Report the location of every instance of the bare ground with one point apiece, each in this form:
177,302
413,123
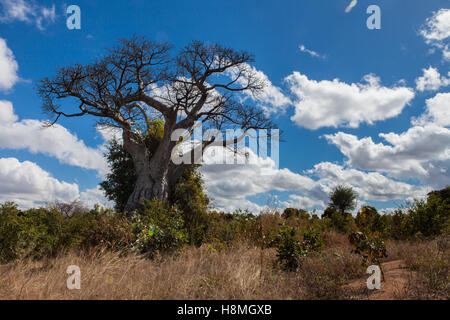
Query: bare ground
397,278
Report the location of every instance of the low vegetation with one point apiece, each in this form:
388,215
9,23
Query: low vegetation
164,251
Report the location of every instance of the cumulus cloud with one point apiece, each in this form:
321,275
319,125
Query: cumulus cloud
437,112
29,185
436,31
55,141
334,103
8,67
230,186
369,185
28,12
422,152
432,80
91,197
271,99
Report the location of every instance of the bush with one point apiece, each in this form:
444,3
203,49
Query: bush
100,227
288,249
426,219
298,213
372,248
335,220
370,221
226,228
193,203
43,232
159,228
312,241
14,236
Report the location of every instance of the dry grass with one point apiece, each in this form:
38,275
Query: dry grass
431,268
239,272
197,273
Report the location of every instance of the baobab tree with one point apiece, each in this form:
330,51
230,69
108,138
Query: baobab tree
138,81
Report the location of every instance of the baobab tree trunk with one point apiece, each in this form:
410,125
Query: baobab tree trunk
152,172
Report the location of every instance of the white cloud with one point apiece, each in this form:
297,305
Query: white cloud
29,185
352,4
310,52
438,111
91,197
419,153
8,67
271,99
369,185
432,80
334,103
231,185
302,202
28,12
55,141
436,31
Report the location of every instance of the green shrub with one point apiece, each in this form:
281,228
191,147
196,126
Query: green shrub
159,228
370,221
33,233
288,249
298,213
100,227
312,241
193,203
43,232
428,218
227,228
371,247
14,236
333,219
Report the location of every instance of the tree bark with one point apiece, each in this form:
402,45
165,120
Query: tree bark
151,172
156,175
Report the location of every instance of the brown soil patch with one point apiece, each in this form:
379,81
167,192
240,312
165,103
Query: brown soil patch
396,280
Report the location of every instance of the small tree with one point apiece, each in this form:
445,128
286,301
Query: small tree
343,198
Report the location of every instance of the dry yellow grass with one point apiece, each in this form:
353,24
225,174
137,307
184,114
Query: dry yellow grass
197,273
239,272
431,266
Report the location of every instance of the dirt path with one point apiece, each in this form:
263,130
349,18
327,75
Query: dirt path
394,285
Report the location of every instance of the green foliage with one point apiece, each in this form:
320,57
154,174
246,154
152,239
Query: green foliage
164,227
100,227
432,217
372,248
225,228
428,218
335,220
290,249
312,241
119,183
370,221
188,193
159,228
343,198
14,234
298,213
190,197
43,232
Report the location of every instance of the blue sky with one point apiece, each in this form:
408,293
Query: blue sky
381,127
